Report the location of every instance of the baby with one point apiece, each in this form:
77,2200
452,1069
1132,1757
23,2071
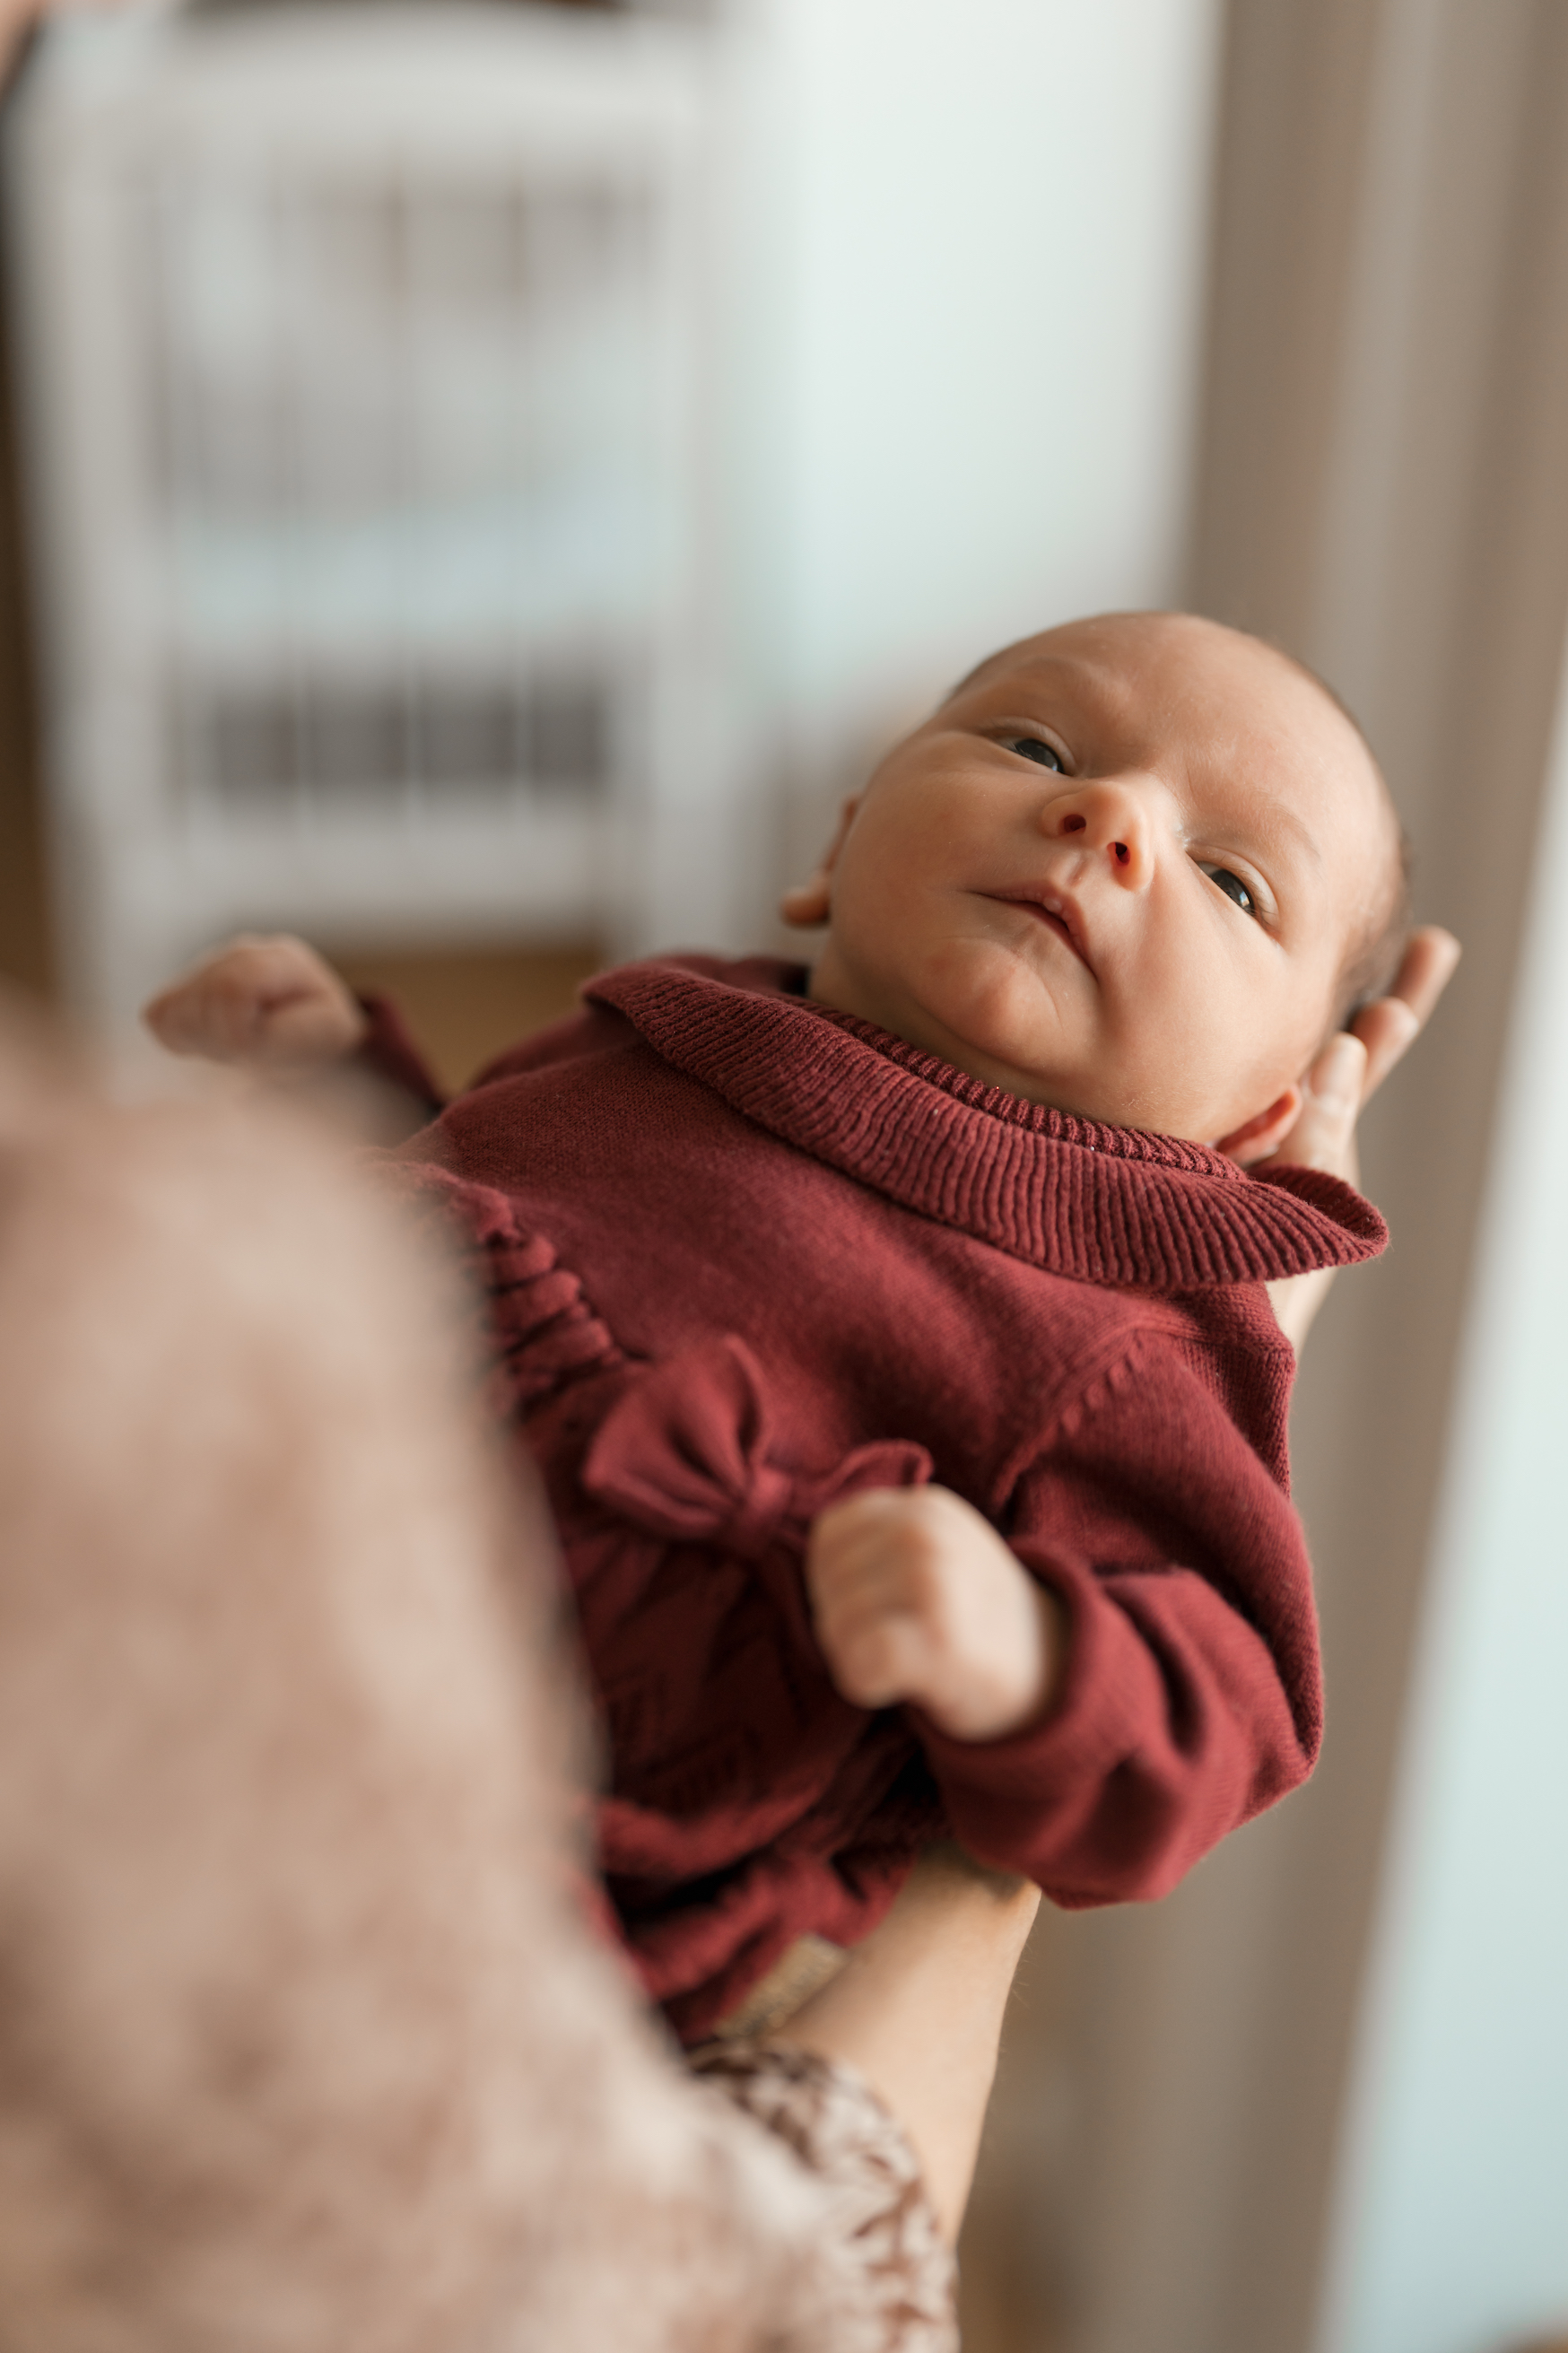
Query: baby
892,1336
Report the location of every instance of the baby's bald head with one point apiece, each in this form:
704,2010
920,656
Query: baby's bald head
1375,946
1135,867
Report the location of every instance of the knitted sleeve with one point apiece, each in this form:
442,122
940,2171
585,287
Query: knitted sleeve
389,1049
392,1052
1190,1697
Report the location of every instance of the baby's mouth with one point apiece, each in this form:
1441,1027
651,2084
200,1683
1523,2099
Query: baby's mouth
1057,914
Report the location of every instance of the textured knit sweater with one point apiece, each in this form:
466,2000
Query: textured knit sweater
746,1256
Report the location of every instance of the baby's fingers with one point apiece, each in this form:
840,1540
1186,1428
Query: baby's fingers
876,1656
205,1014
308,1027
867,1541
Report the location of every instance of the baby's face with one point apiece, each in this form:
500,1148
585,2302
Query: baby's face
1119,872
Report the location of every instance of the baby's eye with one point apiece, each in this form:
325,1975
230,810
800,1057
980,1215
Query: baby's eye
1045,756
1231,885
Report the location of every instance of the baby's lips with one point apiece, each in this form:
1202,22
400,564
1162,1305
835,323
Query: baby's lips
1057,913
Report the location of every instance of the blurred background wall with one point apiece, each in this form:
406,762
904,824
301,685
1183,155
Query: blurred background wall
944,318
993,222
916,321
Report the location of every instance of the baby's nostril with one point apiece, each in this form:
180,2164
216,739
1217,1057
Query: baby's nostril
1072,825
1123,855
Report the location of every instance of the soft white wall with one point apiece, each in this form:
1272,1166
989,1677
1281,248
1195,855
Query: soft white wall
1453,2230
976,338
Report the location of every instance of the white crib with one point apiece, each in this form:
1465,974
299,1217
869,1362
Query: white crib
365,358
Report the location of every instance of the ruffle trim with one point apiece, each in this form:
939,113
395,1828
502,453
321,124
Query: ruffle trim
1103,1204
547,1332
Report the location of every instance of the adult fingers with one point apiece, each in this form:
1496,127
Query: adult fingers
1331,1096
1388,1027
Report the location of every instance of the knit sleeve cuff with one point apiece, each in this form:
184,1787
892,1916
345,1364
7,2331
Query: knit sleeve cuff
388,1049
1157,1743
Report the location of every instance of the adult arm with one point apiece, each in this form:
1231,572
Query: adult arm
918,2010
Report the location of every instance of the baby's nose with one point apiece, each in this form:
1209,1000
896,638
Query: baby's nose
1112,819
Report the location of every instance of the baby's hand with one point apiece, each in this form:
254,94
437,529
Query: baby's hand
274,1001
916,1597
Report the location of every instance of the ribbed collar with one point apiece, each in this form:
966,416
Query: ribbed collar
1107,1204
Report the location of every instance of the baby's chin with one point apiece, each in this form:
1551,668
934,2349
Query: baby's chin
1013,1033
993,1018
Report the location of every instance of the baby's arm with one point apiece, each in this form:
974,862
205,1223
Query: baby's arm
916,1597
274,1006
272,1001
1175,1695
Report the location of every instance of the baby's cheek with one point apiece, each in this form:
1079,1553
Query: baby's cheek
1007,1010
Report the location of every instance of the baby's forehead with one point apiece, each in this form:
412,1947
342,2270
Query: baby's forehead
1224,704
1172,669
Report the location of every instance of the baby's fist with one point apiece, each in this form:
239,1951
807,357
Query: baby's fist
915,1597
259,1000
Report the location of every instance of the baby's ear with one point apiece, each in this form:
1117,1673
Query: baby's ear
1265,1133
807,904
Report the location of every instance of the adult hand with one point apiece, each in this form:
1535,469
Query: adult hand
1343,1081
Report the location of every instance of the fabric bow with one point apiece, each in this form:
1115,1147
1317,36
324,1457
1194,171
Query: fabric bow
686,1452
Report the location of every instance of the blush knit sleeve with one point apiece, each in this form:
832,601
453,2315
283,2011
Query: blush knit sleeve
1189,1697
